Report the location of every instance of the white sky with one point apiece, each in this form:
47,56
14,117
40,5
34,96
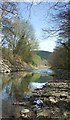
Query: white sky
47,45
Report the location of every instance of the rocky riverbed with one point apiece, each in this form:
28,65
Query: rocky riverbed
56,98
51,102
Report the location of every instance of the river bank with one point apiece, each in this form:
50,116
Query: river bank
56,103
7,67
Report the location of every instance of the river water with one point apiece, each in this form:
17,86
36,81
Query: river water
18,86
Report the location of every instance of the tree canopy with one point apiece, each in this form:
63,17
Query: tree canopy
60,59
17,35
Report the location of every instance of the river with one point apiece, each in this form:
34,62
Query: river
18,86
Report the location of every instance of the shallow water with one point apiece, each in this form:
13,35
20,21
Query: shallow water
17,86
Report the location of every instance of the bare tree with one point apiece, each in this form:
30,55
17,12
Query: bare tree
60,25
8,14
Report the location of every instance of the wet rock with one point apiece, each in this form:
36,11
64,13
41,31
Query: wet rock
63,96
24,111
52,100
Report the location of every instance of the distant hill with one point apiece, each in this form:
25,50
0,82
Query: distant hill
40,58
43,54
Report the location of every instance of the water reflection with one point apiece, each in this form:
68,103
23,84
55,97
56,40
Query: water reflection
35,85
44,70
15,87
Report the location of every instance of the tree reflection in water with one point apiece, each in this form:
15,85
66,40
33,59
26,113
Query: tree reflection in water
15,88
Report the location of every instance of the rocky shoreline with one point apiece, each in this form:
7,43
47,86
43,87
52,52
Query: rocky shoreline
56,100
55,97
7,67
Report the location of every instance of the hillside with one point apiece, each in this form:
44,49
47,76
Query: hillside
39,60
43,54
